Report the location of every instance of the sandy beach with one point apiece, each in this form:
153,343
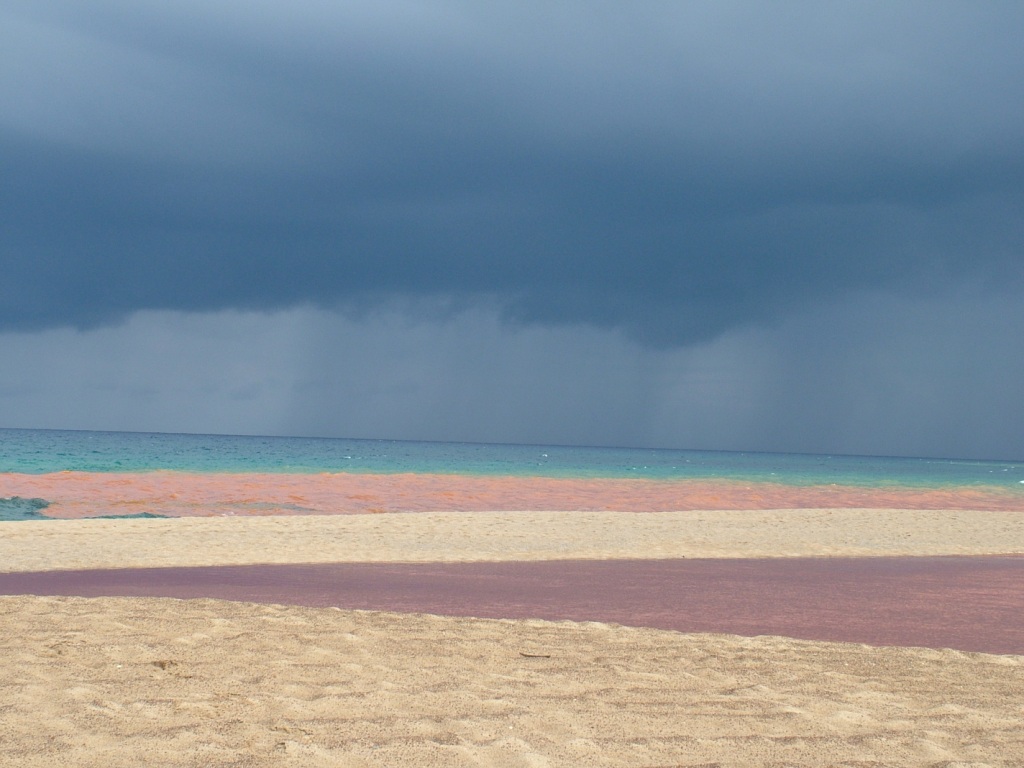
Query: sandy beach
157,680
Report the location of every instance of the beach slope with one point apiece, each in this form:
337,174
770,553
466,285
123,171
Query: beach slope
126,682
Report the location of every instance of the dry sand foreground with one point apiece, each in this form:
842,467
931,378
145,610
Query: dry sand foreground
129,682
117,682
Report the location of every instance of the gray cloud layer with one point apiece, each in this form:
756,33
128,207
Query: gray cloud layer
673,170
872,375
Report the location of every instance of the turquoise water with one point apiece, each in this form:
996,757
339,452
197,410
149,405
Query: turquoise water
17,508
37,451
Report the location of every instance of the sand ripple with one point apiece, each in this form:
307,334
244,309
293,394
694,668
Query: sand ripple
115,682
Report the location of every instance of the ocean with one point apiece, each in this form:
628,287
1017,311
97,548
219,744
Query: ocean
40,456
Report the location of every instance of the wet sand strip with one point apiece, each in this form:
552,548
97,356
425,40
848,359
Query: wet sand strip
964,603
88,494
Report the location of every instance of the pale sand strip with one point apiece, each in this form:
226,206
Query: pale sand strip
113,682
504,536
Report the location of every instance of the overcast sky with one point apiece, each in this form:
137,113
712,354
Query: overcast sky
771,226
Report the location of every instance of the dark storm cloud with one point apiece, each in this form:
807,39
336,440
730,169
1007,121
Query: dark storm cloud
671,169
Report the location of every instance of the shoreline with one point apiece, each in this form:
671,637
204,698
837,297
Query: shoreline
186,494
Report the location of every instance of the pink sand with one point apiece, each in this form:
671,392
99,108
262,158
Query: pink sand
178,494
967,603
